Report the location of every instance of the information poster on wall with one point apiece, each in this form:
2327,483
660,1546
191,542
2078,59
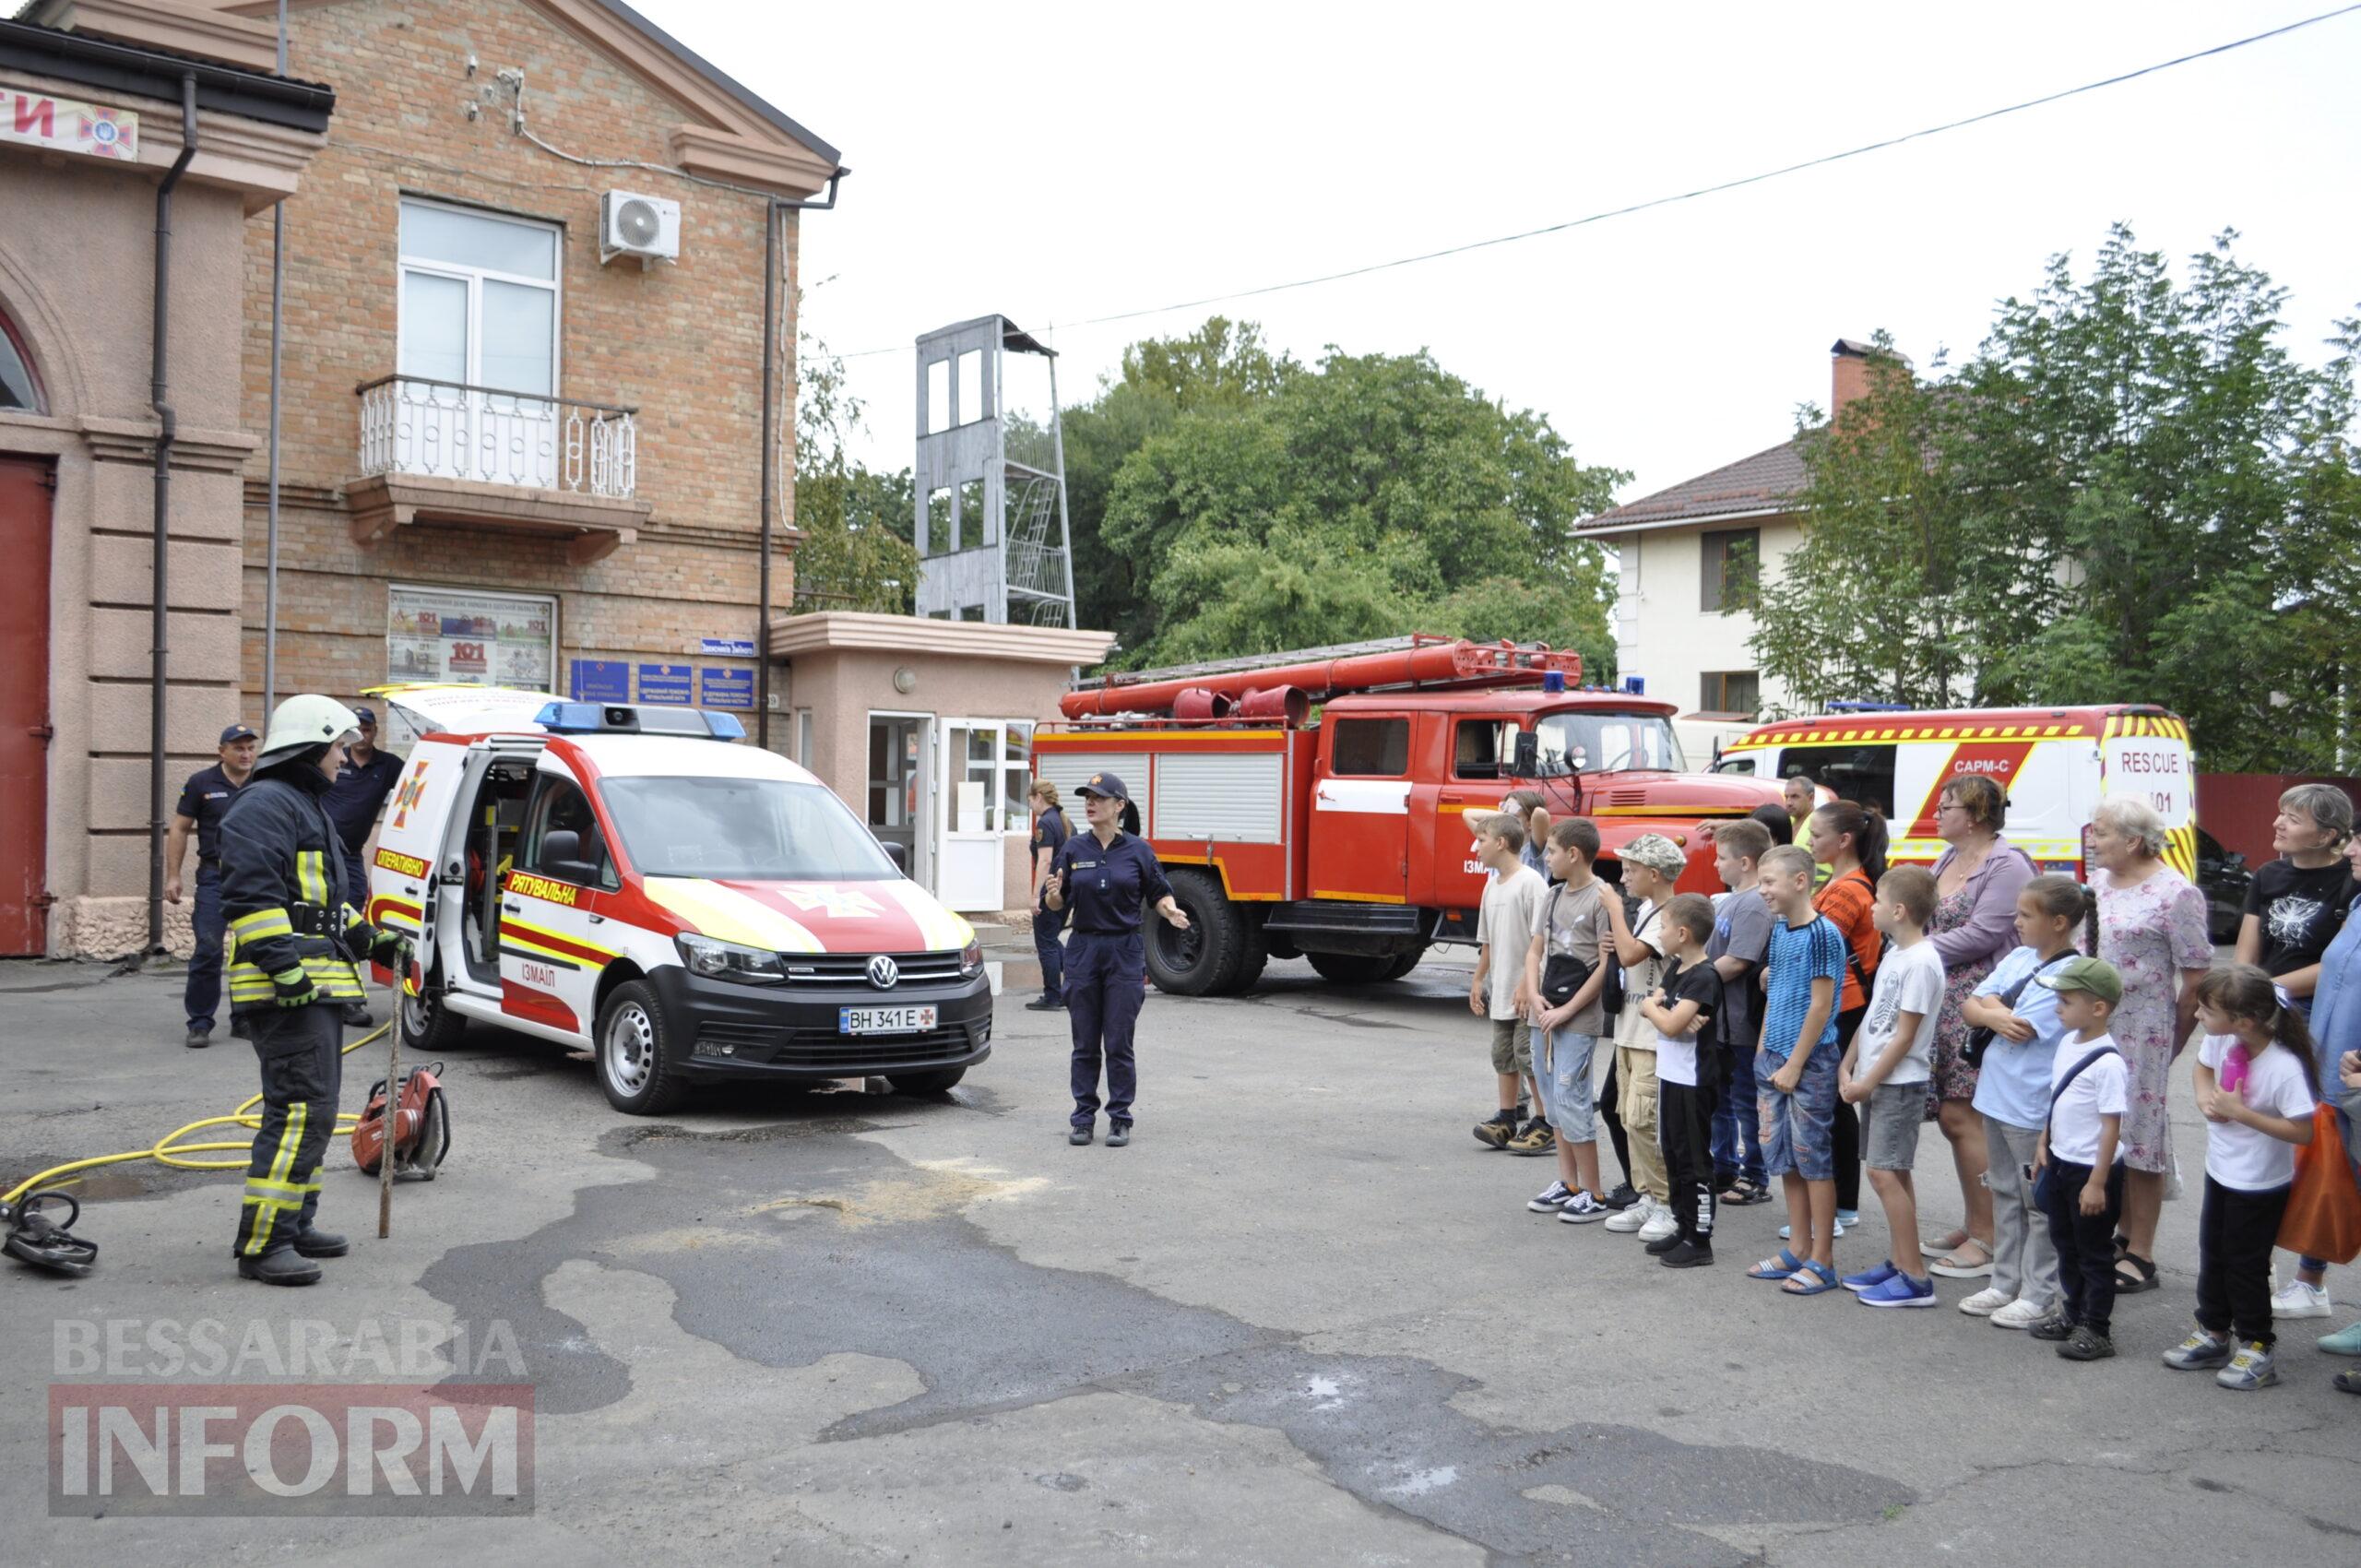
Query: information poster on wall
724,688
666,683
471,638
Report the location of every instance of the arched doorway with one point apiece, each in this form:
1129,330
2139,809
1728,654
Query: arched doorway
25,486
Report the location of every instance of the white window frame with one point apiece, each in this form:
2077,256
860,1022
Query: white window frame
475,278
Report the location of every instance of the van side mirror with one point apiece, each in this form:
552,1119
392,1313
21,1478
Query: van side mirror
561,858
899,854
1526,754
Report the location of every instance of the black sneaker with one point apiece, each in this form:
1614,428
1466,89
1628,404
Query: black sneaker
1664,1244
2056,1328
1622,1197
2084,1344
1688,1255
1044,1004
198,1039
1496,1131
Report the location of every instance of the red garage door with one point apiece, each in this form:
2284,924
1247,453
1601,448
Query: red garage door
24,705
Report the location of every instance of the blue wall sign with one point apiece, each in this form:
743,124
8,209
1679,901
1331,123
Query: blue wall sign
664,683
599,680
728,648
724,688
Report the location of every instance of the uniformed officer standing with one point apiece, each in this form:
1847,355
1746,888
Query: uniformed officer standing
1050,836
295,940
203,799
1107,876
353,801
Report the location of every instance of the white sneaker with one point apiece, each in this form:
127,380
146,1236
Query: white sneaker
1840,1229
2297,1299
1582,1209
1550,1199
1986,1302
1624,1221
2018,1313
1660,1223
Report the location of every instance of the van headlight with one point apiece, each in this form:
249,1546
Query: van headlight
728,960
971,958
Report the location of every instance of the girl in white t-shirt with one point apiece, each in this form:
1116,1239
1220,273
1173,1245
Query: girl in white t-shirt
2257,1086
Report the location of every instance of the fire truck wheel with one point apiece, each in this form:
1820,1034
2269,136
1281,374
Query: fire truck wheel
1205,958
1357,968
1254,956
1403,965
639,1064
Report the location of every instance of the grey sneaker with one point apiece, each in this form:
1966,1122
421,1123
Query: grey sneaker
1550,1199
2197,1352
2250,1369
1583,1208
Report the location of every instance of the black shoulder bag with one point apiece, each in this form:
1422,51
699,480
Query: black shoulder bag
1563,974
1979,1039
1610,990
2041,1190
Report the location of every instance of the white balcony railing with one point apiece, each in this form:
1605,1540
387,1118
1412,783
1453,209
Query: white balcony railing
448,430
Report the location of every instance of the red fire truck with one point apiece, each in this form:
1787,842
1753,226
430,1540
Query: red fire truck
1315,802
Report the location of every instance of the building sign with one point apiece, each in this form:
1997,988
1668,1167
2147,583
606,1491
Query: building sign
664,683
470,638
724,688
728,648
599,680
60,124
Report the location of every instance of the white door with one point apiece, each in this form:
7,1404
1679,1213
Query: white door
970,857
477,349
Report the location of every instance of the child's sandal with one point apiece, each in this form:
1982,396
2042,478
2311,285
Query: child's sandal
1781,1267
1813,1280
2142,1277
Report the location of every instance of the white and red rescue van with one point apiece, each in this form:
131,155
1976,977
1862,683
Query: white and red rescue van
623,879
2053,763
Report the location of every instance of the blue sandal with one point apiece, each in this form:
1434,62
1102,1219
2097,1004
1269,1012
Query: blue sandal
1784,1266
1812,1280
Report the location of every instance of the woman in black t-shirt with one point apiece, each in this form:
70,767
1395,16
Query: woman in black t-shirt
2295,903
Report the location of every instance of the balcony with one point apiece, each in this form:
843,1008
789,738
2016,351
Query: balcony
445,452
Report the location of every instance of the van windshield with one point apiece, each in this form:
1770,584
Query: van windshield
747,829
1607,743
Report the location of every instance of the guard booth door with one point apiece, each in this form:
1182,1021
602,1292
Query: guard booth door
900,797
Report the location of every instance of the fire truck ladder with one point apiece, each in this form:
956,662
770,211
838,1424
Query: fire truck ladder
1418,661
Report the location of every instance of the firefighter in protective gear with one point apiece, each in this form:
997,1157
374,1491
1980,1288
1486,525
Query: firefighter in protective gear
294,937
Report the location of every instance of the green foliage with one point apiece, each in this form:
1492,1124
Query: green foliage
2131,493
856,551
1269,506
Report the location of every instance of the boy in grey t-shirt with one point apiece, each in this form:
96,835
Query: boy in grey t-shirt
1571,921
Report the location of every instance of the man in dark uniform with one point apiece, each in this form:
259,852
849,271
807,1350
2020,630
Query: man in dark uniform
295,940
1050,836
353,801
203,799
1107,877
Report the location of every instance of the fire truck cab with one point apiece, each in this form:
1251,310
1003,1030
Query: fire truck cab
1318,802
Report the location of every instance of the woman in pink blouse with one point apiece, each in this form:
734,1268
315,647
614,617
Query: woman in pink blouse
2151,928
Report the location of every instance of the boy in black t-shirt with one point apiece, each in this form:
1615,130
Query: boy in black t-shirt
1682,1012
2295,903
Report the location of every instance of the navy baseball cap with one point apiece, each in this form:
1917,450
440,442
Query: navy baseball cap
368,716
237,732
1105,784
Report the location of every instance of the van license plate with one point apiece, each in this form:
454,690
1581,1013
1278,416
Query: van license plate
884,1020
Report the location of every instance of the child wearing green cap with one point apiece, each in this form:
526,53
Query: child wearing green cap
2078,1175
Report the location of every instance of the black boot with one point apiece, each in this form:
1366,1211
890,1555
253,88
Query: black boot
312,1242
279,1266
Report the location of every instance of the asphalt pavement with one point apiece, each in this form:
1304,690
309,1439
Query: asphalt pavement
1305,1318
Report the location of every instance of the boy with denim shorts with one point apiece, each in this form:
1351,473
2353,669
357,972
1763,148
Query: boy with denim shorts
1569,922
1796,1070
1741,942
1885,1072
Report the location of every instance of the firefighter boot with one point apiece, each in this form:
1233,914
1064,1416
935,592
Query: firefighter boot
280,1265
312,1242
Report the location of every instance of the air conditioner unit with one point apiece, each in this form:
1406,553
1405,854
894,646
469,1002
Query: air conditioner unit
645,226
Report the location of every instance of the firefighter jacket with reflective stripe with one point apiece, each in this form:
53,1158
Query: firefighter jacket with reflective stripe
282,895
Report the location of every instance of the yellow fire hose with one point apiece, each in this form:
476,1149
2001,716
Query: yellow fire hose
169,1150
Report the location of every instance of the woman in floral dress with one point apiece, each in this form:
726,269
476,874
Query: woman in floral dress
2151,928
1976,883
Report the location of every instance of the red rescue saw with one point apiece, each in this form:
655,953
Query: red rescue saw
422,1125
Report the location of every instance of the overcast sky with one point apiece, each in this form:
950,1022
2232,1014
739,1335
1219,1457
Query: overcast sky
1060,162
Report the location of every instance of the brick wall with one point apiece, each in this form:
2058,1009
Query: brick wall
682,343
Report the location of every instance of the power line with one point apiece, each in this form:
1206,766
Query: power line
1740,183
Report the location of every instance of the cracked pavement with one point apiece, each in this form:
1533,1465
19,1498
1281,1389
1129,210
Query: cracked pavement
1303,1319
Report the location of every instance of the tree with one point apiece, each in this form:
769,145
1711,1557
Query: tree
856,551
2131,493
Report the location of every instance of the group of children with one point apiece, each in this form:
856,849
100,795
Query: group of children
1809,994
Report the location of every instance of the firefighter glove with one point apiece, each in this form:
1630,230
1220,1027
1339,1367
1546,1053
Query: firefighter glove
390,948
294,988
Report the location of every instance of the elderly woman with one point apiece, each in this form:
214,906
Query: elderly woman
2151,928
2336,1031
1978,879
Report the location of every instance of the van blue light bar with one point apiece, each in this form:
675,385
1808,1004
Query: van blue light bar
631,718
1854,706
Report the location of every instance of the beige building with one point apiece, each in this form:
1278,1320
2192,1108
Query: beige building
1686,560
92,122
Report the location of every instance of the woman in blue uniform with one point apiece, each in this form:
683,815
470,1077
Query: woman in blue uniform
1107,877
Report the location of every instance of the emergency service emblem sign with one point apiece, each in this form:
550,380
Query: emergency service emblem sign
836,903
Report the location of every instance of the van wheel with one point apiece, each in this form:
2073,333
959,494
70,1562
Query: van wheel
428,1029
1359,969
918,1084
639,1064
1201,959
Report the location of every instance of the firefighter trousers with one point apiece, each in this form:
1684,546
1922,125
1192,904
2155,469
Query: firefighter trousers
1105,981
302,1071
